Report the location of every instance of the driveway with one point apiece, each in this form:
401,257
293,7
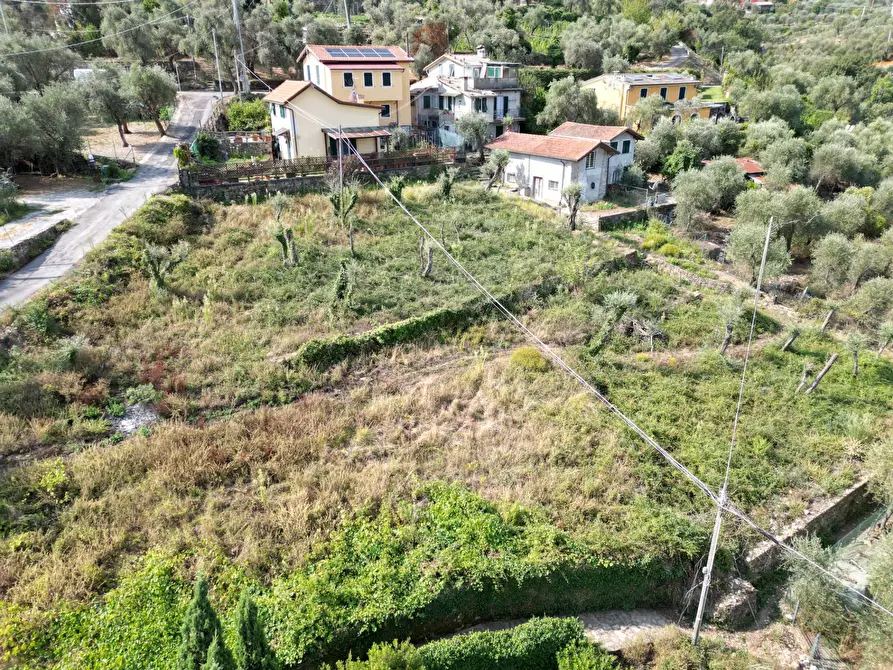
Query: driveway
157,172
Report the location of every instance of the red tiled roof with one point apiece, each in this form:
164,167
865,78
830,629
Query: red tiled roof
366,66
589,132
322,54
291,89
749,165
548,146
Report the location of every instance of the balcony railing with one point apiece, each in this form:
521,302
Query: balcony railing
495,84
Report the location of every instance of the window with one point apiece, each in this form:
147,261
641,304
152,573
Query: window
449,102
663,92
367,79
590,160
483,104
426,102
626,146
385,111
385,78
452,72
317,75
643,93
476,73
505,105
682,92
510,176
282,111
348,80
493,71
614,146
439,102
553,185
308,73
273,110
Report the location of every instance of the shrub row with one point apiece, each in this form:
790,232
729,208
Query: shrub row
531,646
326,352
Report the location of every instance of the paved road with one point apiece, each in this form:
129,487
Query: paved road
157,172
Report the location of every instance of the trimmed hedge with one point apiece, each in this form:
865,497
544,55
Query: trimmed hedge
531,646
326,352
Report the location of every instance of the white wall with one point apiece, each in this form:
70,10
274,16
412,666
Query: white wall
622,160
549,169
593,179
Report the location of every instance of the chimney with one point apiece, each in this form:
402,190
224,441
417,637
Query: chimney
481,51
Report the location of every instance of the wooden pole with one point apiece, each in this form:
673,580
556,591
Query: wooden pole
791,339
827,319
815,383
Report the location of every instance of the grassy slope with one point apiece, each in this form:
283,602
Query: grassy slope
252,496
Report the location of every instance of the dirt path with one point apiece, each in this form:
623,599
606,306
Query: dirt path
109,209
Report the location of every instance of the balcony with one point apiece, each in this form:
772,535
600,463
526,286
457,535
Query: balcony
495,83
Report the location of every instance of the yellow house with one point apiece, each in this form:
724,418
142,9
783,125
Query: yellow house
620,91
377,75
306,120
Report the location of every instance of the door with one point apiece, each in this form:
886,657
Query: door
537,187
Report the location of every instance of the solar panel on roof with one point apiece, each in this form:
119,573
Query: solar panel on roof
360,52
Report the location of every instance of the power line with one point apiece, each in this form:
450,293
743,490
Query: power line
73,4
724,505
99,39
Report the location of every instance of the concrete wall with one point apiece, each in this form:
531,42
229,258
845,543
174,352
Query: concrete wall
549,170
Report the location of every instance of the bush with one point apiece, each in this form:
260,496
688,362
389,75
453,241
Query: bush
247,115
533,645
207,147
670,250
529,359
384,656
582,655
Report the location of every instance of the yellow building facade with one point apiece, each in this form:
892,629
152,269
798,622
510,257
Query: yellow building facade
621,91
375,75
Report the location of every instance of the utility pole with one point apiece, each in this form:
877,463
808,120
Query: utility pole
240,74
346,14
217,61
238,90
177,72
340,166
724,491
3,14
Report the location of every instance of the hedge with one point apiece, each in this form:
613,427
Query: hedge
326,352
531,646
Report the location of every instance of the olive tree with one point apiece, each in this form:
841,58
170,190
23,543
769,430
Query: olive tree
567,101
108,100
473,127
152,88
580,43
746,251
831,259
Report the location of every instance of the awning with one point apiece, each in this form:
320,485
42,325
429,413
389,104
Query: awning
357,133
281,131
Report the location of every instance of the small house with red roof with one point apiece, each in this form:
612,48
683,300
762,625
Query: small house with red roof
542,166
753,171
620,138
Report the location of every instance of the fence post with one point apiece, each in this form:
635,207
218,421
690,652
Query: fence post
814,649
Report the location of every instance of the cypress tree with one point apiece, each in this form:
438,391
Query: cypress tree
252,651
200,627
219,657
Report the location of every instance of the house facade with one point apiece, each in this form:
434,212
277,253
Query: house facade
459,84
375,75
306,120
620,138
542,166
621,91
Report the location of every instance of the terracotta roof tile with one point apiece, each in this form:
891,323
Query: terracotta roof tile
590,132
566,148
286,91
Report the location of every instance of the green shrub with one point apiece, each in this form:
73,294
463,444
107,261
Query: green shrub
529,359
386,656
581,655
7,261
531,646
247,115
207,147
671,250
144,393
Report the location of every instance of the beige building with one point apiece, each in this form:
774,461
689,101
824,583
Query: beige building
377,75
305,122
620,91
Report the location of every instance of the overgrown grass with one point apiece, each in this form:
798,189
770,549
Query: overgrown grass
326,505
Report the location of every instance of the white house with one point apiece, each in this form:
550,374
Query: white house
620,138
544,165
459,84
306,121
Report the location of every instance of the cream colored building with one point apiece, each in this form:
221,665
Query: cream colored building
377,75
305,122
620,91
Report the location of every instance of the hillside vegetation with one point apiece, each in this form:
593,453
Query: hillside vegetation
454,474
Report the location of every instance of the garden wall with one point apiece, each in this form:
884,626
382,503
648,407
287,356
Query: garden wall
237,192
826,518
630,217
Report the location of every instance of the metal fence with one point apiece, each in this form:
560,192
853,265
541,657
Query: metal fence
201,175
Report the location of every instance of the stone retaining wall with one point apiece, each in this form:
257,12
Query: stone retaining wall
237,192
824,518
22,252
619,220
668,268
